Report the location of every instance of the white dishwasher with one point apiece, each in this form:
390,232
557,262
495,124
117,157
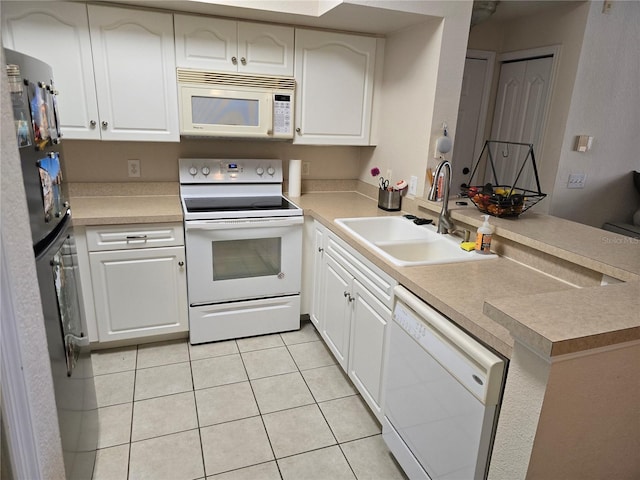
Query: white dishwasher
441,394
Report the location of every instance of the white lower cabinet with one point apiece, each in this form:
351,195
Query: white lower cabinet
336,309
368,345
137,285
352,308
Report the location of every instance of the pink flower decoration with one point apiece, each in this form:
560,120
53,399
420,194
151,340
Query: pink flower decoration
375,171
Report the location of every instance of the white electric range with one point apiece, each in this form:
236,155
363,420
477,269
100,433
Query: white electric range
244,248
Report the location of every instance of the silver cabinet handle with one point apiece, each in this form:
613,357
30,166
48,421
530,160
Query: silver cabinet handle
181,264
243,60
105,124
93,124
234,60
320,249
298,130
139,238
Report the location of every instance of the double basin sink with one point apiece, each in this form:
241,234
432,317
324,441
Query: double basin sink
405,243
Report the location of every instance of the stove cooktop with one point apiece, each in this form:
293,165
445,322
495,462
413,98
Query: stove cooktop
232,189
237,204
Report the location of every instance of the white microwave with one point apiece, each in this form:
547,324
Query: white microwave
217,104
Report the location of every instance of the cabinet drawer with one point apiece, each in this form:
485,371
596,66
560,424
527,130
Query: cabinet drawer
125,237
374,279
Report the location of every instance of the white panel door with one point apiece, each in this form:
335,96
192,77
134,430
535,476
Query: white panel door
265,49
138,293
134,63
522,99
206,43
336,309
335,78
367,346
469,140
58,34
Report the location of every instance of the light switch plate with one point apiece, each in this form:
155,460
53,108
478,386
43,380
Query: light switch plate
583,143
577,180
413,185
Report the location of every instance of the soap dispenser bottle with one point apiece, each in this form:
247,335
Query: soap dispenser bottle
483,236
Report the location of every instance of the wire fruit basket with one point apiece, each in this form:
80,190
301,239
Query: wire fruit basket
506,160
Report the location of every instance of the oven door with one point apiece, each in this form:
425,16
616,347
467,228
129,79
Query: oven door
242,259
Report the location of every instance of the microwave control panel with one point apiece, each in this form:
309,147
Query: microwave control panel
282,115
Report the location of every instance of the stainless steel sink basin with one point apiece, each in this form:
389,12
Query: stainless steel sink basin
404,243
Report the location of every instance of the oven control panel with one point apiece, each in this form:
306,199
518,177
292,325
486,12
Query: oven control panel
216,170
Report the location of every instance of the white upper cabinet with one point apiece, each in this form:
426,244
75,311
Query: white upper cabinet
58,34
135,71
335,79
114,68
230,46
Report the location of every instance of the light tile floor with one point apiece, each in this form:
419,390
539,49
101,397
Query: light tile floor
269,407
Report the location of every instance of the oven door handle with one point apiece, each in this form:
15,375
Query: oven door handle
243,223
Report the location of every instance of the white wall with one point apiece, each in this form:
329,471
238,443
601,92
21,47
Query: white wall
606,104
96,161
422,79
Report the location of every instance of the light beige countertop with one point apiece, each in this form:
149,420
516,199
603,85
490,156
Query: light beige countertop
499,298
124,203
495,300
606,252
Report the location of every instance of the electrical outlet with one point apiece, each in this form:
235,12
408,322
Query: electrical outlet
413,185
133,167
388,176
577,180
306,166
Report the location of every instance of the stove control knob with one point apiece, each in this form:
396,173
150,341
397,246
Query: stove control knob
205,171
260,171
271,171
193,171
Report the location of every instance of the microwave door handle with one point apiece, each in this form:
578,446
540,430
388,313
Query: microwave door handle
270,107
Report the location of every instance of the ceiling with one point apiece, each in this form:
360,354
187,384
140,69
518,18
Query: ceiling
337,15
512,9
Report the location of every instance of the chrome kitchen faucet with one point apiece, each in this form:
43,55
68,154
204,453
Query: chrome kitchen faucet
445,224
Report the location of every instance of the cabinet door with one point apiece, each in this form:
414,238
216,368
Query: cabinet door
336,309
265,49
367,346
318,277
135,70
138,293
335,77
206,43
58,34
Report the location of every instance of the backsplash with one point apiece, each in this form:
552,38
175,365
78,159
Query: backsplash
98,161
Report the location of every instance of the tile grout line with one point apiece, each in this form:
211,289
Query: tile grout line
195,405
255,399
133,396
325,418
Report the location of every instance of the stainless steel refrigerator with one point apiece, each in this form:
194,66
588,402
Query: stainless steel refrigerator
33,98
